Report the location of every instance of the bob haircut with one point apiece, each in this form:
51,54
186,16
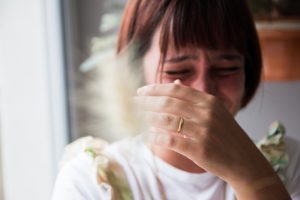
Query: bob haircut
210,24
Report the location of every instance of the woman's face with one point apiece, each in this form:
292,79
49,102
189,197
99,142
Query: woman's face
219,73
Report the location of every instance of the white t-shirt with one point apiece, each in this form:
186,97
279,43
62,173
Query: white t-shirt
151,178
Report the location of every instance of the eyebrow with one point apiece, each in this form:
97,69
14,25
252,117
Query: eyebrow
181,58
230,57
227,56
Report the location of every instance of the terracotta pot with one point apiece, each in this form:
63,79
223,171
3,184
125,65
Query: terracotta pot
280,43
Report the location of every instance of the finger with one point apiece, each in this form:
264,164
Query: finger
161,104
179,91
172,123
165,139
165,104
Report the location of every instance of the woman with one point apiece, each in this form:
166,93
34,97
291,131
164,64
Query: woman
202,64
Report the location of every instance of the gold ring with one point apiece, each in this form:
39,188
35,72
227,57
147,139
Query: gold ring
181,122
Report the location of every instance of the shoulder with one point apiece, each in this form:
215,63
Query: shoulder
77,180
293,168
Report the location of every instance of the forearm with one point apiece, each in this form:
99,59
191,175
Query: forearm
266,188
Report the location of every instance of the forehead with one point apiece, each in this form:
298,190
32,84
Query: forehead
191,49
200,50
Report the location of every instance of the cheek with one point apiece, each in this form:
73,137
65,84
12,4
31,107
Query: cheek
231,92
150,64
149,74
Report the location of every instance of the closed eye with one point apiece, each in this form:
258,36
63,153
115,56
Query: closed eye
226,71
178,72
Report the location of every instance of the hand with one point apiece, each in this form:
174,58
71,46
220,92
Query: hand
210,136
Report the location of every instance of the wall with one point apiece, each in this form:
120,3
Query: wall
274,101
1,177
82,21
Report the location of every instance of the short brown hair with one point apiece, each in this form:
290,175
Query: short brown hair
211,24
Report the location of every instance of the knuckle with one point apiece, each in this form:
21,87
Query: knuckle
171,142
167,120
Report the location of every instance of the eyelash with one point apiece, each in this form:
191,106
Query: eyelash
226,71
221,72
177,72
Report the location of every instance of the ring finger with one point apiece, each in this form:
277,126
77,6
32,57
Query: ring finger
172,123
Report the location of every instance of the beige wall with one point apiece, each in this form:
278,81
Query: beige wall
1,179
274,101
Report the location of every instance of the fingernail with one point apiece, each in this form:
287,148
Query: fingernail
177,81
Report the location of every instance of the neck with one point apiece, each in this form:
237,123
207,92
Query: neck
177,160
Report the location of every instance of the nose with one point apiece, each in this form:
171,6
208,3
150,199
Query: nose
204,82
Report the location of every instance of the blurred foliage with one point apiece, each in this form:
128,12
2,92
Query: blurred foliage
260,7
287,7
275,8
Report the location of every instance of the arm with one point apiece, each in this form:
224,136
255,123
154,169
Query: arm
210,137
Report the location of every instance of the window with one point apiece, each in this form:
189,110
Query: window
32,100
90,26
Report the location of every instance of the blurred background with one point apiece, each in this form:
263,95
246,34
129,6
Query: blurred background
48,98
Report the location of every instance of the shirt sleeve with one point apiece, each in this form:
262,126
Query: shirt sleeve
293,169
77,181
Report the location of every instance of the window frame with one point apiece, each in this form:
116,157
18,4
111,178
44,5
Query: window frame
33,108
